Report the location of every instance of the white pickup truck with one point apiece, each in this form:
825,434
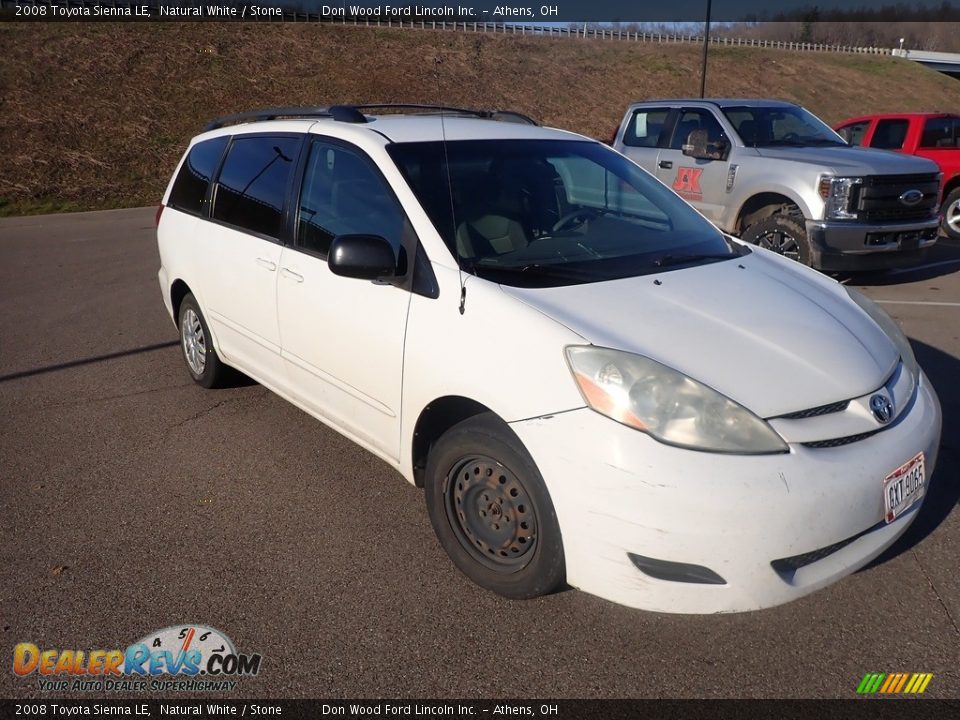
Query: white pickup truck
775,175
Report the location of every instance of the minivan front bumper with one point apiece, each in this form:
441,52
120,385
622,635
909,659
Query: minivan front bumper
773,527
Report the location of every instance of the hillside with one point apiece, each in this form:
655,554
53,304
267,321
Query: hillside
96,115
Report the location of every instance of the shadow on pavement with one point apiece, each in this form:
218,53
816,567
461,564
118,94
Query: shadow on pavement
943,491
87,361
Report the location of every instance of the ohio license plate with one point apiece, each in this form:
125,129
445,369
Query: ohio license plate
903,487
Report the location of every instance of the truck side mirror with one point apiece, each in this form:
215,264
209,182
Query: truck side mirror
367,257
697,146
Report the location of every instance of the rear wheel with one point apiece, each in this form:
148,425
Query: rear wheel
203,363
781,233
951,214
491,510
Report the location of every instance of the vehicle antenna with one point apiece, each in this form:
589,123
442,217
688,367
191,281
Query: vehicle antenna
453,215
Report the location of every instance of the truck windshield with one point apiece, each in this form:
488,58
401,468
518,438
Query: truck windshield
772,126
543,213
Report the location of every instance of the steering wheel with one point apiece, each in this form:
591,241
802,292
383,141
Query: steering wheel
581,215
791,137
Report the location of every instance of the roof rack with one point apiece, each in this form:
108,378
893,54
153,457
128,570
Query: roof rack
353,114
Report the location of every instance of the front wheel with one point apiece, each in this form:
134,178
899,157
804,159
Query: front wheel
951,214
491,510
782,234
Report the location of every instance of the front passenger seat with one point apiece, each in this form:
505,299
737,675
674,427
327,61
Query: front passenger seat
488,235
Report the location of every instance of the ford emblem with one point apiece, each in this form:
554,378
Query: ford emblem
882,408
911,197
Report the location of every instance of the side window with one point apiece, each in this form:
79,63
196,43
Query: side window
253,183
645,127
941,133
342,194
691,120
854,132
189,192
889,134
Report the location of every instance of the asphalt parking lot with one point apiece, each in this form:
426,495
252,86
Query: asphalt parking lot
133,500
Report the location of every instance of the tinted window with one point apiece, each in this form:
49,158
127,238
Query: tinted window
691,120
940,133
189,191
253,183
771,125
889,134
342,194
854,132
645,127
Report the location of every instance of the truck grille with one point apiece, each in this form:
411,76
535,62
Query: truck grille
878,198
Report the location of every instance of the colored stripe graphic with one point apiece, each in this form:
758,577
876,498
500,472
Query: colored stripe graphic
894,683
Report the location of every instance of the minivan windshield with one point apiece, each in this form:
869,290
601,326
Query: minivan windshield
788,125
542,213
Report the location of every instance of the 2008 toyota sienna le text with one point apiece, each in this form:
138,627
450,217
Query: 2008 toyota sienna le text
592,383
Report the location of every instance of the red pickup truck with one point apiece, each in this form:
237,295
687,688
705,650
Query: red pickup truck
935,136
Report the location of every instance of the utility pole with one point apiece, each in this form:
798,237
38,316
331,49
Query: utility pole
706,45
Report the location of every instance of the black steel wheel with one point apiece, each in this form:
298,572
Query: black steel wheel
491,510
782,234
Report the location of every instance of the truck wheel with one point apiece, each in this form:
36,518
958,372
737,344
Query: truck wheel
202,360
491,510
782,234
951,214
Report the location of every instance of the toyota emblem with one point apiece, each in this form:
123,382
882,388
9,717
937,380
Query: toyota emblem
882,408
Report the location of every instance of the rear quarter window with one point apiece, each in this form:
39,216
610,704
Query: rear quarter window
189,192
252,185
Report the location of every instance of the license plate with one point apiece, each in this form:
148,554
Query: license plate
903,487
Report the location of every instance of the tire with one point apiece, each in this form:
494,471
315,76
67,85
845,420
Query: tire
951,214
491,510
782,234
203,363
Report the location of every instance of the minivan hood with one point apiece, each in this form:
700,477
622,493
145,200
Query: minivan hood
767,334
852,161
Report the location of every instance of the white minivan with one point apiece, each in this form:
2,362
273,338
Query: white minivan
593,385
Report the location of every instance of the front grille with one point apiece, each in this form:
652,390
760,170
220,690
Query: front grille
878,198
817,411
788,566
837,442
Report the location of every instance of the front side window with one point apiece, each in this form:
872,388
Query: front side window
253,183
941,133
189,192
691,120
772,126
342,194
545,213
854,133
889,134
645,127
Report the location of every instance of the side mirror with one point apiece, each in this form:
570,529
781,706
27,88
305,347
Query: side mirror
366,257
698,147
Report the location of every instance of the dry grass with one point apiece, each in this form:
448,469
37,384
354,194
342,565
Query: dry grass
96,115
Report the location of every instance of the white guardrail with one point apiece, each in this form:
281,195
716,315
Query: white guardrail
575,32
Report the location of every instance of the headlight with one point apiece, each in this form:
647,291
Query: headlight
889,327
837,193
666,404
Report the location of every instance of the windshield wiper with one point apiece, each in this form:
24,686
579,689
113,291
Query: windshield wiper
668,260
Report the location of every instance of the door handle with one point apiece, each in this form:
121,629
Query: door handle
268,264
291,275
666,164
